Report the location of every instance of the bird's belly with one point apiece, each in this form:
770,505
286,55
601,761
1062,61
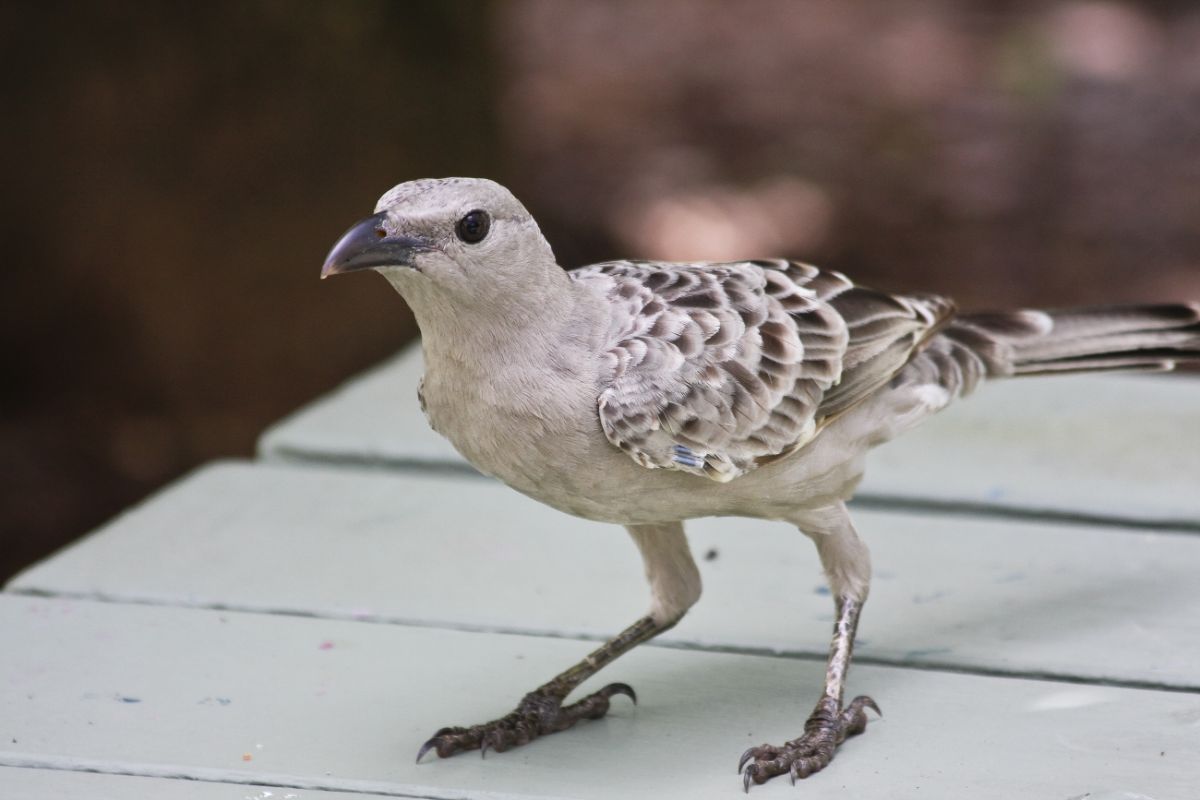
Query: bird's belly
604,484
576,470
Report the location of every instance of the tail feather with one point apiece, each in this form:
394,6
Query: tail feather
1090,339
1081,322
1133,338
1059,347
1132,363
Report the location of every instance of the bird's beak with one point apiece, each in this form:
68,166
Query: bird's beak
368,245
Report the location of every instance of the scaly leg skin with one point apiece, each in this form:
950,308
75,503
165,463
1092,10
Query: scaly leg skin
542,711
675,586
847,565
827,726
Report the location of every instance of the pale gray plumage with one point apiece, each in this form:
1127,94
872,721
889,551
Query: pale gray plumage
647,393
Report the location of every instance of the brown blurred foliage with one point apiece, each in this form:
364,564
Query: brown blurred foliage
1003,152
177,172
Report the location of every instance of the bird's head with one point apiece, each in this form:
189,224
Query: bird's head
464,239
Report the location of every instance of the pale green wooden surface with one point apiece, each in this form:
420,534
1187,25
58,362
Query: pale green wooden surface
342,706
969,593
19,783
317,617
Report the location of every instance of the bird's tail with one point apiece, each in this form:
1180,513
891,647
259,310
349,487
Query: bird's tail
971,347
1152,338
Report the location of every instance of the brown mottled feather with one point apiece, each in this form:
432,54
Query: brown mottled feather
717,368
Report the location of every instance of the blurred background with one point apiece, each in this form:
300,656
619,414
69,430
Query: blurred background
177,172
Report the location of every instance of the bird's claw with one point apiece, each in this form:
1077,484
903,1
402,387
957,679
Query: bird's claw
438,740
539,713
619,688
425,748
827,728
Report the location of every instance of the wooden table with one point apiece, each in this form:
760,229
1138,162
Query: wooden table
296,626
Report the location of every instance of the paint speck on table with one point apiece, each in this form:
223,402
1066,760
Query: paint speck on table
325,645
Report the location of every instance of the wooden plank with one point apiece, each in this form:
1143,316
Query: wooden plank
68,784
373,419
342,706
976,594
1119,446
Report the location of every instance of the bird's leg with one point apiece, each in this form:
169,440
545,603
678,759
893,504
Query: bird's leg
675,586
847,565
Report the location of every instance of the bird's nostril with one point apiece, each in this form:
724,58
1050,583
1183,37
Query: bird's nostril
380,232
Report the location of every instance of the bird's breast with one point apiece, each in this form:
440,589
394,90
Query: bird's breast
513,429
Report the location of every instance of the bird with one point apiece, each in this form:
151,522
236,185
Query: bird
648,393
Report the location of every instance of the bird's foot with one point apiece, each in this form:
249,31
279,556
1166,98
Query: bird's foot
827,728
540,712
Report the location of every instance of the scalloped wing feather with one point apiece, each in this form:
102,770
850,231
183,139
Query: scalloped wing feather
714,369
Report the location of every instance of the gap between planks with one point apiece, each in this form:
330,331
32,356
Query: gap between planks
503,630
266,780
283,455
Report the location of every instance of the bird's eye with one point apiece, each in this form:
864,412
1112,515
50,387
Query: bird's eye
473,226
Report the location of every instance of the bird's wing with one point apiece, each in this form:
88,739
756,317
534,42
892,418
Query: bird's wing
715,369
